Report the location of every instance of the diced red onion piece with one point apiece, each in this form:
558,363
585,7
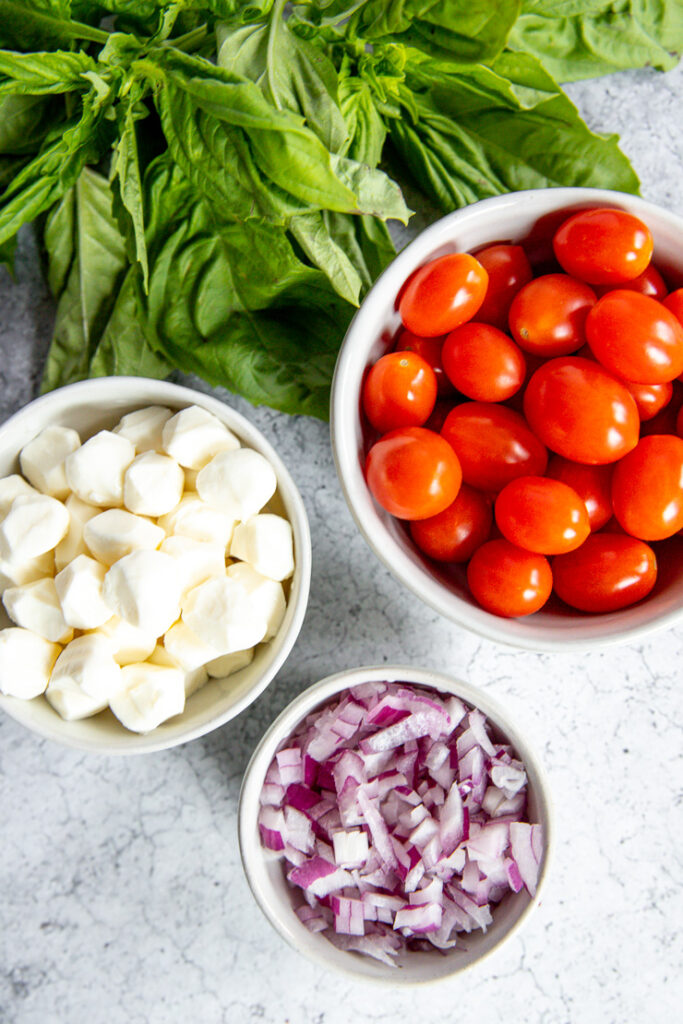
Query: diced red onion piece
419,919
350,848
523,853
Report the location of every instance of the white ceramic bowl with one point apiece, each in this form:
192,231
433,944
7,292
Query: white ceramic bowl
95,405
508,218
266,876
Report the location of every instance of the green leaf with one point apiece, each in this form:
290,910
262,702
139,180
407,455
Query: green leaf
312,232
291,72
55,169
233,302
38,74
483,131
126,179
7,250
123,349
366,129
458,30
585,39
38,24
88,261
25,121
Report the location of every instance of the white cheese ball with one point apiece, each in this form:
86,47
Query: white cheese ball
144,588
143,428
193,436
14,574
113,534
36,606
85,678
34,524
150,694
227,664
265,542
127,643
95,471
186,648
10,488
153,484
239,482
220,613
42,460
194,679
26,661
72,543
192,517
79,588
196,560
266,596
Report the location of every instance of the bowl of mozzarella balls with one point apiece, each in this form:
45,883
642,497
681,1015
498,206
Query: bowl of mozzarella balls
154,564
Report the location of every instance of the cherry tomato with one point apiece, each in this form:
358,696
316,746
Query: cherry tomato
413,473
609,571
508,269
508,581
494,445
636,337
543,515
650,398
548,315
483,363
647,488
592,483
443,294
650,282
399,391
603,246
430,350
581,411
454,534
674,303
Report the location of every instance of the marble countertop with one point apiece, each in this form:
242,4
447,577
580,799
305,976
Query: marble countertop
123,899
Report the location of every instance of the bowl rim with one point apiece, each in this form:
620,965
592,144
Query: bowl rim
251,851
343,420
156,392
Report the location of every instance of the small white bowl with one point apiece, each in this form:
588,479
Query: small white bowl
508,218
274,895
93,405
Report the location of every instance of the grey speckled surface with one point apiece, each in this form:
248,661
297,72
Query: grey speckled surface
123,901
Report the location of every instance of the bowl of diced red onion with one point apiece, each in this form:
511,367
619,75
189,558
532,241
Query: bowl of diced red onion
394,825
617,581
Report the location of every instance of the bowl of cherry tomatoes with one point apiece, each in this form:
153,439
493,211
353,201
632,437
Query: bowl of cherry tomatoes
507,418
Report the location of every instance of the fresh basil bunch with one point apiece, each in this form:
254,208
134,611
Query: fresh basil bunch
206,173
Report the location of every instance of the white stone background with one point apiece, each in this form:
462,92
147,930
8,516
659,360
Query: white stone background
122,899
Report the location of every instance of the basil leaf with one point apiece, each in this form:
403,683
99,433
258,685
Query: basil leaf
123,348
233,302
126,179
47,177
582,39
37,24
458,30
7,250
292,73
25,121
311,231
42,73
483,131
366,129
82,235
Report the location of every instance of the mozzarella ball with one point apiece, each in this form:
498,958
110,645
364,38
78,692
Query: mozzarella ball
144,589
10,488
36,606
196,560
79,588
193,679
266,596
186,648
72,543
153,484
192,517
220,613
227,664
113,534
42,460
238,483
95,471
150,694
193,436
265,542
127,643
14,574
26,661
34,524
143,428
84,679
